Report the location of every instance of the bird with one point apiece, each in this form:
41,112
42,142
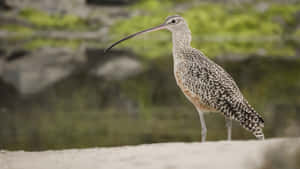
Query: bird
204,83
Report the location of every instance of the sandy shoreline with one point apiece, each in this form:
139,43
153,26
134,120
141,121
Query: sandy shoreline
209,155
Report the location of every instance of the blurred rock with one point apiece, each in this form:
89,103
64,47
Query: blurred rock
4,6
110,2
262,7
32,72
2,53
298,18
40,69
17,54
1,66
118,68
53,6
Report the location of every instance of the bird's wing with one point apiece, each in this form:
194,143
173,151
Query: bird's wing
209,82
217,89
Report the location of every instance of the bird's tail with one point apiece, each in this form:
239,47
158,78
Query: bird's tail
249,119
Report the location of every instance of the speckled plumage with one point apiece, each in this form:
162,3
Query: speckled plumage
207,85
211,88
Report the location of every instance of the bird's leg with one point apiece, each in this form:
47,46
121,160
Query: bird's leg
203,125
229,127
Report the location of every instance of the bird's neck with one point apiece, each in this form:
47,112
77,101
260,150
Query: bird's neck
181,41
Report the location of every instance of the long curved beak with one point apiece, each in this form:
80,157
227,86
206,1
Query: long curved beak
156,28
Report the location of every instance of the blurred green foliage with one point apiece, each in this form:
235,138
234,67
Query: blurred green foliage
42,21
297,33
217,29
53,21
20,31
42,42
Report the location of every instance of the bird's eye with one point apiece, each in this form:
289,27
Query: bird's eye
173,21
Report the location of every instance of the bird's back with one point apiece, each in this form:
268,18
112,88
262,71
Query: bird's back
210,88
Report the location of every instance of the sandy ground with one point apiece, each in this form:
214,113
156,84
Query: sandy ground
209,155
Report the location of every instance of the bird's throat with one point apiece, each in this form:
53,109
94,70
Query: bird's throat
181,41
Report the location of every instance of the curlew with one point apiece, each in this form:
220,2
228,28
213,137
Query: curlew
206,84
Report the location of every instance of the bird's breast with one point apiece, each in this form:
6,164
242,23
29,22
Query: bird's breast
191,96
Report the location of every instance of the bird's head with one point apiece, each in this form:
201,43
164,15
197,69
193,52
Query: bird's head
173,23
